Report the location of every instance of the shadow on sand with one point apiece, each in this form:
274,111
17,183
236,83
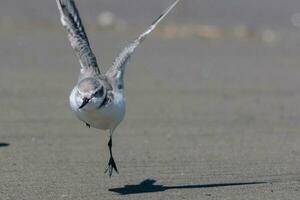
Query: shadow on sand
147,186
3,145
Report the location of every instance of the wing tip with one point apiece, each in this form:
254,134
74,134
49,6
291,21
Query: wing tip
172,6
165,13
61,6
176,2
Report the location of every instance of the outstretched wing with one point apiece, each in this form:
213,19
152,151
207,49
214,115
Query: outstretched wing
116,72
71,21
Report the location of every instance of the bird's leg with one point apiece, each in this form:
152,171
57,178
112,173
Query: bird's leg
111,163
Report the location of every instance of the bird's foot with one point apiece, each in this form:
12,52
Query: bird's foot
111,166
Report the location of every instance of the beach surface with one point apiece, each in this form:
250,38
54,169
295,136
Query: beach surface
206,118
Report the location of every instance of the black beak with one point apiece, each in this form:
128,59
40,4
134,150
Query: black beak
84,102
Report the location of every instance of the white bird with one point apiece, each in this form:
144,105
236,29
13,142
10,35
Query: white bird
98,99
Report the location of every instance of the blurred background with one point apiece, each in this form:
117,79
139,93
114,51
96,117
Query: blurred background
212,95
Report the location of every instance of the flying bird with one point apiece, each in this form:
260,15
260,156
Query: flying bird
98,97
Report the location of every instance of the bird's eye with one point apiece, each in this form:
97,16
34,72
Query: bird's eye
100,92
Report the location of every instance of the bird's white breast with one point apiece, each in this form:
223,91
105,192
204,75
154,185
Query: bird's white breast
107,117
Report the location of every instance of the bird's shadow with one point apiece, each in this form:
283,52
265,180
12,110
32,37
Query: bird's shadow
4,144
148,186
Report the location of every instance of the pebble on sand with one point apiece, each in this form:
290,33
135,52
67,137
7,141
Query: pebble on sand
108,20
243,32
209,31
269,36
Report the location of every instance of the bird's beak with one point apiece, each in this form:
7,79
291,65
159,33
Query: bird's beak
84,102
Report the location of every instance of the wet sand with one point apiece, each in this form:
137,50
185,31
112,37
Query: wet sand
206,119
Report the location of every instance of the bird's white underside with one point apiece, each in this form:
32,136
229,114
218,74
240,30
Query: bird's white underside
108,117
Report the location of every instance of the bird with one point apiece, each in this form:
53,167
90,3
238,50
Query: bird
98,97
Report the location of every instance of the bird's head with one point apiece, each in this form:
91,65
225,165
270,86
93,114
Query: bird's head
91,92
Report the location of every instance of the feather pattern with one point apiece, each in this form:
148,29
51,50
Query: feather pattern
116,71
71,21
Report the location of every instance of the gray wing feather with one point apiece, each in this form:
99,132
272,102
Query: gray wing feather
118,67
71,21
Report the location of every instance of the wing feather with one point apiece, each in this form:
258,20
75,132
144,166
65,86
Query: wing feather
71,21
116,71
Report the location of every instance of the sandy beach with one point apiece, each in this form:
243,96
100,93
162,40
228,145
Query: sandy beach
205,119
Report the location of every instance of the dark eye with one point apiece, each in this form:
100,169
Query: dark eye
100,92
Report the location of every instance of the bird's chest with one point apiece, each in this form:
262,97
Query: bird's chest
112,114
106,117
